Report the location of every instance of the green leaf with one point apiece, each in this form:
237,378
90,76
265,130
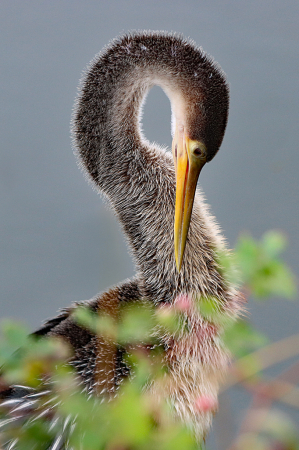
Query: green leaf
168,320
241,338
228,267
172,437
261,269
273,242
131,420
136,324
34,435
86,318
14,336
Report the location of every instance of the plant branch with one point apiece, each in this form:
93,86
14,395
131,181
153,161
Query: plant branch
255,362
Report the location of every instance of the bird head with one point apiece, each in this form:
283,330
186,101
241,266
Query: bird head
200,119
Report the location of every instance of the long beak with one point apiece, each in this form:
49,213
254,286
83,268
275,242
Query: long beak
187,167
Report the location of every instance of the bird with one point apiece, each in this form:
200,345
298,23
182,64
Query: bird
172,237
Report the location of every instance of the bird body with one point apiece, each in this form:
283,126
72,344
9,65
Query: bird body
141,183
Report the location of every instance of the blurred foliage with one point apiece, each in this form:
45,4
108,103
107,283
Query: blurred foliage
241,338
263,272
27,359
134,419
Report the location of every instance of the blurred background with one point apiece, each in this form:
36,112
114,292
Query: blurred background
59,242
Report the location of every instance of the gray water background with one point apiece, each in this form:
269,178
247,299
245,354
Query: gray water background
59,243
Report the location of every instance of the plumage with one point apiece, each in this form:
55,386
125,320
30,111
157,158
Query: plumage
139,181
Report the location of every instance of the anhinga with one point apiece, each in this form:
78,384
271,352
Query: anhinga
153,194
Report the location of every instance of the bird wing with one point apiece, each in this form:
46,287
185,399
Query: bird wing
20,404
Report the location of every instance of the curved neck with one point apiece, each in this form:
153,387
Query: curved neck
107,122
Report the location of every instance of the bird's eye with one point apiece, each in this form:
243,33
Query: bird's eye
198,152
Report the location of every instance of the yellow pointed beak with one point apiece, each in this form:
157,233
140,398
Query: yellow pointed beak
189,158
